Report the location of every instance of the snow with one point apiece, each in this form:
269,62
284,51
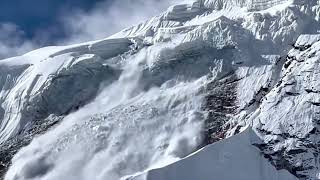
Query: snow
307,40
251,5
39,67
136,102
152,128
231,158
293,106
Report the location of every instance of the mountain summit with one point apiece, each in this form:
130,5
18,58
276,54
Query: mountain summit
209,89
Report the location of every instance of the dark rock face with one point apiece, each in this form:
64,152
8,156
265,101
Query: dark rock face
245,47
221,106
296,152
299,161
302,160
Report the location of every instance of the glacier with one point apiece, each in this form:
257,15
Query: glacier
209,89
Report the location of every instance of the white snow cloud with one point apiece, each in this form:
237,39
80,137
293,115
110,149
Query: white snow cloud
102,21
107,19
12,41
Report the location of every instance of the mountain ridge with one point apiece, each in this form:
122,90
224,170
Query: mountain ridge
197,74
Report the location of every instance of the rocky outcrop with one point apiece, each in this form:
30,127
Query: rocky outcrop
292,138
155,93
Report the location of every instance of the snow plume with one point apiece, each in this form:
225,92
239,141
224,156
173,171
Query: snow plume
123,131
108,18
12,41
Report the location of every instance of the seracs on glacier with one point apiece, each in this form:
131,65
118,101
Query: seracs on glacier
145,103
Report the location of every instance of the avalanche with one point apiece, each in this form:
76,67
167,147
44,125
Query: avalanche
146,103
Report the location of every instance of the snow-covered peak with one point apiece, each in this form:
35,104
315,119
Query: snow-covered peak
250,5
154,93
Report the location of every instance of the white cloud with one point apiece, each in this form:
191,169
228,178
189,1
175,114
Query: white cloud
107,19
102,21
12,41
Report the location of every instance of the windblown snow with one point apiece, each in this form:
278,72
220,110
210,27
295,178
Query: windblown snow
209,89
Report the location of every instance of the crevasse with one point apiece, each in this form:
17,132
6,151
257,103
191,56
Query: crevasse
147,101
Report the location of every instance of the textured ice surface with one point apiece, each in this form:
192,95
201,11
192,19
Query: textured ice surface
51,81
154,93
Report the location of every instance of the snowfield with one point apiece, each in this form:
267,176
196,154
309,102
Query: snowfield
233,158
209,89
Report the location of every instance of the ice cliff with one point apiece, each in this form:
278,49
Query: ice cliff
209,89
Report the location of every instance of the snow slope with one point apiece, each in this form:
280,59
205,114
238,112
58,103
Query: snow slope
233,158
36,84
156,92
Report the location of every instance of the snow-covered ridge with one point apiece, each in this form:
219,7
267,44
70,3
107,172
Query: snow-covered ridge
225,160
251,5
178,15
307,40
154,93
265,4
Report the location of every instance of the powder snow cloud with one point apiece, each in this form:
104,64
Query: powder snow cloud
107,18
12,41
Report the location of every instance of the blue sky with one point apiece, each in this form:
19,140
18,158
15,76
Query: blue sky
29,24
34,16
